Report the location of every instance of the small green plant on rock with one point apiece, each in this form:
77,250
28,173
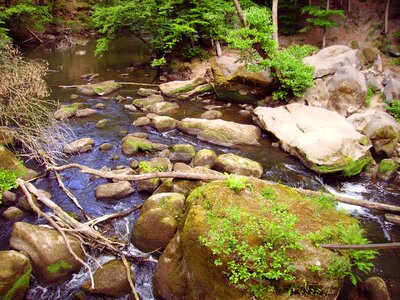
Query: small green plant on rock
7,181
236,183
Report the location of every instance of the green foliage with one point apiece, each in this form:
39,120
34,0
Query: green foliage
393,108
251,265
370,92
236,183
268,193
7,181
148,167
157,62
355,167
321,17
350,262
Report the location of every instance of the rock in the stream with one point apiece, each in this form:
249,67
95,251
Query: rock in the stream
221,132
8,198
164,123
74,97
179,88
234,164
182,153
328,60
9,162
234,82
204,158
211,115
132,144
387,168
24,204
67,111
380,127
79,146
102,88
148,101
162,108
109,280
100,106
322,139
130,107
106,147
15,272
376,289
141,121
86,112
147,92
158,221
114,191
156,164
102,123
52,262
347,89
13,214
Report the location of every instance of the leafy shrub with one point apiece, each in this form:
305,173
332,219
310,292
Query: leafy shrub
236,183
394,109
7,181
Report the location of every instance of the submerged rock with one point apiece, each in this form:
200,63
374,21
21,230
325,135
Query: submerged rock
15,272
221,132
110,280
380,127
234,164
101,88
322,139
223,231
79,146
179,88
52,262
328,60
158,221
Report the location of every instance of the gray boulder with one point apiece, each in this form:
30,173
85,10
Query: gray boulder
322,139
181,88
328,60
101,88
79,146
392,88
51,260
164,123
114,191
162,108
86,112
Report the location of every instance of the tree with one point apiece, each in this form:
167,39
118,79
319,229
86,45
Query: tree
275,20
321,18
387,9
240,13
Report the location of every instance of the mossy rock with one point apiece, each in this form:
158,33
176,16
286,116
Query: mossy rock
9,162
182,153
162,108
109,280
179,88
15,272
148,101
235,164
204,158
52,262
143,92
158,221
131,145
219,223
157,164
387,168
101,88
67,111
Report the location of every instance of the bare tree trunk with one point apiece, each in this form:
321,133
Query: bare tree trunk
387,16
218,48
348,6
275,21
324,36
240,13
309,2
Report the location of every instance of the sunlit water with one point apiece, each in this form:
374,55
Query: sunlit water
278,166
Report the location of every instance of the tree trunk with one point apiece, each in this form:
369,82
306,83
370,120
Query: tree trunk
240,13
387,16
309,2
348,6
218,48
324,36
275,20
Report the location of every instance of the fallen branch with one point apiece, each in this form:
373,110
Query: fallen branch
122,83
212,177
395,219
68,193
383,246
129,276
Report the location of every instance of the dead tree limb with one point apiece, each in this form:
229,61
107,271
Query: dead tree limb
123,83
129,276
395,219
212,177
383,246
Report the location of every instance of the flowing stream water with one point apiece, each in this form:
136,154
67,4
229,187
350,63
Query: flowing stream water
278,166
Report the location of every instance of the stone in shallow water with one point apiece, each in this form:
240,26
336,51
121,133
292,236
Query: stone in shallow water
102,88
79,146
114,191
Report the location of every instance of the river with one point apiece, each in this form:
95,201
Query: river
68,66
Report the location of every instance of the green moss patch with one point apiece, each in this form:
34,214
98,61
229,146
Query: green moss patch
59,267
20,286
347,166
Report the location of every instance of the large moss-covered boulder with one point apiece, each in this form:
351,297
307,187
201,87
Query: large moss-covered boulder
221,132
347,89
109,280
328,60
323,140
9,162
101,88
186,87
257,242
158,221
235,83
51,260
67,111
15,272
235,164
380,127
